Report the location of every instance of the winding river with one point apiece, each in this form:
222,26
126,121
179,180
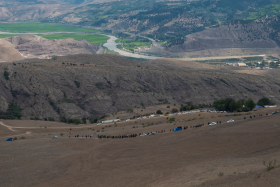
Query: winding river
110,44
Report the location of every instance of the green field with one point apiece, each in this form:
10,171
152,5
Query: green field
93,38
131,44
6,35
40,27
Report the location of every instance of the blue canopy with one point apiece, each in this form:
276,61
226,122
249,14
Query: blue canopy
258,106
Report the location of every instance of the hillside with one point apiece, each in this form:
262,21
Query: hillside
31,46
97,85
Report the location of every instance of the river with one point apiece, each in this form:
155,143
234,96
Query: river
112,45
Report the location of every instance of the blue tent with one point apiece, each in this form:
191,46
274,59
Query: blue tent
9,139
178,129
258,106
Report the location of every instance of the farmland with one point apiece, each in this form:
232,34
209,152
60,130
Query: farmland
93,38
34,27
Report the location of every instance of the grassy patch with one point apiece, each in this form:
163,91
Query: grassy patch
40,27
93,38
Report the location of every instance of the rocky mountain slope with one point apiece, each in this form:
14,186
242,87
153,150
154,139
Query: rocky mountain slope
33,12
31,46
97,85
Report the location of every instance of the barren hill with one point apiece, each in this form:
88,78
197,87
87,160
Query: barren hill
255,36
97,85
31,46
33,12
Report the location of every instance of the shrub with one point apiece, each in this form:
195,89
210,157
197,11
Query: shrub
245,109
6,75
270,165
129,110
50,119
61,134
171,119
174,110
168,107
220,174
77,83
159,112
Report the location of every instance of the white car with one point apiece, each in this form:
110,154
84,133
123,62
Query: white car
161,115
213,123
152,133
138,118
144,117
127,120
143,134
231,120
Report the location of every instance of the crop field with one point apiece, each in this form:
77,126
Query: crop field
7,35
39,27
93,38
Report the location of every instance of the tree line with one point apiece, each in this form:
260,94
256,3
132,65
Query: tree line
241,105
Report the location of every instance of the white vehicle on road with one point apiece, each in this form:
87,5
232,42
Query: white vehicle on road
213,123
144,117
161,115
138,118
231,120
143,134
127,120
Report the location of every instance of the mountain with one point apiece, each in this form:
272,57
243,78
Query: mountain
93,86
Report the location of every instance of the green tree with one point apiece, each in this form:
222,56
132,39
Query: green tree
220,104
238,105
249,103
13,111
263,101
229,104
232,106
159,112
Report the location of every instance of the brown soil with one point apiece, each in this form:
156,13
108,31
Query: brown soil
187,158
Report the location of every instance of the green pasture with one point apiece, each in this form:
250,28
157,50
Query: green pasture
39,27
93,38
6,35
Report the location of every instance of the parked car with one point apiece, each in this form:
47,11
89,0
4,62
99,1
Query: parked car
138,118
275,112
152,133
231,120
143,134
213,123
127,120
144,117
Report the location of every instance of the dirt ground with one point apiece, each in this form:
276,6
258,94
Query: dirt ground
226,154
